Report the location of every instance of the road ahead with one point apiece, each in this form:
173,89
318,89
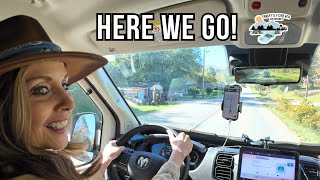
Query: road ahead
256,121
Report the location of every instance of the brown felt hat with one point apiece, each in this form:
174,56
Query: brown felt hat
23,41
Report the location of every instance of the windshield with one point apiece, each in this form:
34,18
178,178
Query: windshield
183,88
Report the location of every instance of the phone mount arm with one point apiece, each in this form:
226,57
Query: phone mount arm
265,142
240,107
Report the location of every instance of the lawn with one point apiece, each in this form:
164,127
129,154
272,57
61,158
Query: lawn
294,96
144,109
314,98
285,77
214,94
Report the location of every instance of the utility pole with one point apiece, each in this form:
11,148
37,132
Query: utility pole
203,59
203,63
307,84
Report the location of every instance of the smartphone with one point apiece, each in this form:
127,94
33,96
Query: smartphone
231,100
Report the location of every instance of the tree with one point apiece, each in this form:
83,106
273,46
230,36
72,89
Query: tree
209,91
225,77
177,84
157,66
314,73
210,75
270,27
194,92
119,73
83,102
81,133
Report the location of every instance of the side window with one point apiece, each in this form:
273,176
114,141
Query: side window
85,128
83,102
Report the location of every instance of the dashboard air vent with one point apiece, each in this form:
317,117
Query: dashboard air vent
223,166
223,173
311,170
224,160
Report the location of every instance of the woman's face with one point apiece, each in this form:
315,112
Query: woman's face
51,104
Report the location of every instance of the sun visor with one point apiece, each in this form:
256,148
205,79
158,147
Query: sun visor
214,7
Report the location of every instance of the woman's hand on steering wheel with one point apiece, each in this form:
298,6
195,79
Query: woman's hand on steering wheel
110,152
181,147
144,165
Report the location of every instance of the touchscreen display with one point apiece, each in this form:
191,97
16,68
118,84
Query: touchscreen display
231,101
267,165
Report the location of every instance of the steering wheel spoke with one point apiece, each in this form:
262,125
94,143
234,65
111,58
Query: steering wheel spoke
123,160
125,156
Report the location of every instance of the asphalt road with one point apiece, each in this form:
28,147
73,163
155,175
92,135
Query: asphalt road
256,121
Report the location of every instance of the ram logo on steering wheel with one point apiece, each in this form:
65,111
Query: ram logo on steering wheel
143,162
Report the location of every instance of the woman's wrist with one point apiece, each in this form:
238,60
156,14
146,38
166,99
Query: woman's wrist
102,174
177,157
106,162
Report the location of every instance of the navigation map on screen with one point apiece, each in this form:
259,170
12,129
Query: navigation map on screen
231,101
257,165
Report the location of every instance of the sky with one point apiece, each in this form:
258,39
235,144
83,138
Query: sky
216,56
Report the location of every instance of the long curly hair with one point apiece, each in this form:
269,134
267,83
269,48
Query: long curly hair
17,157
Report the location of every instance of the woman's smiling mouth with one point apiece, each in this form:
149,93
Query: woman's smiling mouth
59,126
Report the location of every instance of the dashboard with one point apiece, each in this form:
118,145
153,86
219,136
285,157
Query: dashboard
222,162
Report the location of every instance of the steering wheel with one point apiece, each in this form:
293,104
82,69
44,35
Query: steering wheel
142,165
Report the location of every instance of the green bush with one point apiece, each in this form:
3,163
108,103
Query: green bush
294,86
144,102
209,91
193,92
305,113
283,104
281,87
312,120
296,93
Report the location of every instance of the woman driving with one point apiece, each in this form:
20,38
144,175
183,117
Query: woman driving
36,108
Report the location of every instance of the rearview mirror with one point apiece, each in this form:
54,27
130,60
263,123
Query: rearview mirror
268,75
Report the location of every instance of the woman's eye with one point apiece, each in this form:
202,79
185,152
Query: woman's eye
40,90
65,86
